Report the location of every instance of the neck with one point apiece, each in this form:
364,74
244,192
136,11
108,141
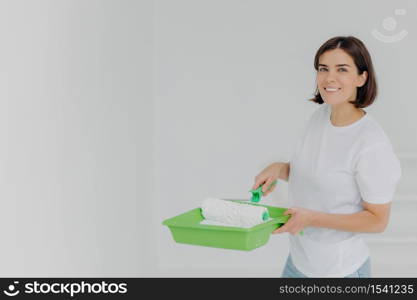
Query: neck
345,114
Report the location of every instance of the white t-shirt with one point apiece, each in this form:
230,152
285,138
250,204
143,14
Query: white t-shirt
332,170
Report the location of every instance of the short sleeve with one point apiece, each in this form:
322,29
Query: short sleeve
377,173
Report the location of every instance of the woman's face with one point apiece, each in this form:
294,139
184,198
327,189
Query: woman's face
337,77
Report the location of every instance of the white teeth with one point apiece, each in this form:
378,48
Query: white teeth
331,90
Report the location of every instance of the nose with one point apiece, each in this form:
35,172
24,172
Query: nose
330,77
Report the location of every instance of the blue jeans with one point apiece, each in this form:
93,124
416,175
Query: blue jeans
290,271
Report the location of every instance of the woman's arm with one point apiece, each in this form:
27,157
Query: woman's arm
373,219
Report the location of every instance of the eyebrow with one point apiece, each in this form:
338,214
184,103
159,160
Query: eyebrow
340,65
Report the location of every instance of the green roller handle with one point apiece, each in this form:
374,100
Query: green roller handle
257,194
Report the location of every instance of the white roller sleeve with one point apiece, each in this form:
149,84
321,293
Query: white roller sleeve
234,214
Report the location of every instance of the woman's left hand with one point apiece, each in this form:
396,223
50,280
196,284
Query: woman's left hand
300,218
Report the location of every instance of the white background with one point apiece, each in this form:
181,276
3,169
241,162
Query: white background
116,115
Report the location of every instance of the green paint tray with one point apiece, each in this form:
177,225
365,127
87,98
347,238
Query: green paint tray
185,229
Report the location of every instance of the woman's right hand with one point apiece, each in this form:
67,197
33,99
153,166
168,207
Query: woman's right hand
267,177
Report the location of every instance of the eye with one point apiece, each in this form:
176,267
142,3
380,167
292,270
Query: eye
343,69
322,69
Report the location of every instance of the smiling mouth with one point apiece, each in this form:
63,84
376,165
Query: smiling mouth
332,90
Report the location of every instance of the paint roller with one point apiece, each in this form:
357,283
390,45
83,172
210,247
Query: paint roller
225,212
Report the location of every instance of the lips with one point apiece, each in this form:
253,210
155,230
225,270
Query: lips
331,89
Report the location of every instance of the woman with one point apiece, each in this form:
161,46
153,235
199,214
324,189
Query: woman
343,173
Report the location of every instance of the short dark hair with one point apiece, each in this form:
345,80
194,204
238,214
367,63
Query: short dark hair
366,94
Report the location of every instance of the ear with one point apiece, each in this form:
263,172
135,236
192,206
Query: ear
362,78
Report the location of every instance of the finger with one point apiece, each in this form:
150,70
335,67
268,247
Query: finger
269,191
283,228
289,211
266,185
271,188
279,230
272,185
290,225
258,182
